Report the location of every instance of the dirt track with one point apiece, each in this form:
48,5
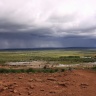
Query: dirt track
75,83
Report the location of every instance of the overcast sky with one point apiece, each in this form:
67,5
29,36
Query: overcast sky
47,23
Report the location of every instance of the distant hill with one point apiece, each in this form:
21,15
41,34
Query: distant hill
49,48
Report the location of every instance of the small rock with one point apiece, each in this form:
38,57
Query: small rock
51,79
14,91
62,84
38,80
6,74
15,83
19,77
5,88
83,85
42,90
52,92
74,81
20,94
30,80
29,93
31,87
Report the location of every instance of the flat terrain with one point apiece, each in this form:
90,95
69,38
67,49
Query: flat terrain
55,56
28,56
75,83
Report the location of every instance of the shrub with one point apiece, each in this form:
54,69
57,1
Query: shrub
56,70
30,70
2,70
94,68
62,70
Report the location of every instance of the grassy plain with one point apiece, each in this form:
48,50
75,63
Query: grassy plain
17,56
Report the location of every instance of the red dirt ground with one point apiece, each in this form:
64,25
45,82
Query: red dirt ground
75,83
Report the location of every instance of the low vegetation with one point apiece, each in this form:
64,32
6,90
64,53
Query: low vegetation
94,67
30,70
60,56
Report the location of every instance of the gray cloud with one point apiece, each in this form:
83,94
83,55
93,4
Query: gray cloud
29,40
47,23
26,40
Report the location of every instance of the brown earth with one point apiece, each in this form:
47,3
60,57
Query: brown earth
75,83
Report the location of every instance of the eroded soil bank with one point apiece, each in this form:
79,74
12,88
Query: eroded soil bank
68,83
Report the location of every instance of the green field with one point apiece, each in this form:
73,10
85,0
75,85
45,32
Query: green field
46,55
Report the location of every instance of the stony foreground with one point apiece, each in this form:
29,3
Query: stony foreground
75,83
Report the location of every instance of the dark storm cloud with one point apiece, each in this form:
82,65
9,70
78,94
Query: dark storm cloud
47,23
24,40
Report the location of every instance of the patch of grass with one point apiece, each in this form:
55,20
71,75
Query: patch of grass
30,70
62,70
62,56
94,67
